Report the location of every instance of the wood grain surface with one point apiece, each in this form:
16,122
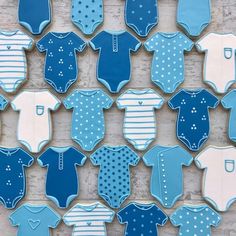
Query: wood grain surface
224,21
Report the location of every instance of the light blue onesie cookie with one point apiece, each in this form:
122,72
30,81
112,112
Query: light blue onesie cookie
195,220
229,102
87,15
114,174
33,220
167,177
168,60
88,127
194,16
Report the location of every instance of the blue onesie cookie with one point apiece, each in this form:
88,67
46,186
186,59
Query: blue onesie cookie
61,163
114,63
34,15
141,15
168,60
88,128
33,220
228,102
61,69
12,174
194,16
193,125
195,220
87,15
167,177
114,174
142,219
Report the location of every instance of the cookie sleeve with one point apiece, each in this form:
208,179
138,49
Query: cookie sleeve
43,159
211,100
175,101
122,101
123,214
79,157
184,156
132,157
18,102
106,100
108,214
177,217
16,216
52,101
215,218
68,217
150,157
69,101
187,43
203,43
158,100
53,219
202,158
152,43
27,159
3,102
43,44
79,43
133,43
228,100
161,218
29,42
97,157
97,41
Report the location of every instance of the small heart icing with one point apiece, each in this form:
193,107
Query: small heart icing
89,223
34,224
8,47
140,102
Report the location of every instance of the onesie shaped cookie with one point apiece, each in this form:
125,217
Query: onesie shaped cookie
193,123
87,15
34,127
142,219
141,15
219,176
229,102
195,220
88,127
140,123
219,65
194,16
167,176
114,174
34,220
168,60
13,162
61,69
13,65
114,62
35,16
89,219
61,163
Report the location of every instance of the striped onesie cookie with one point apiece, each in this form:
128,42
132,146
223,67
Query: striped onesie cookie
139,122
13,66
89,219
